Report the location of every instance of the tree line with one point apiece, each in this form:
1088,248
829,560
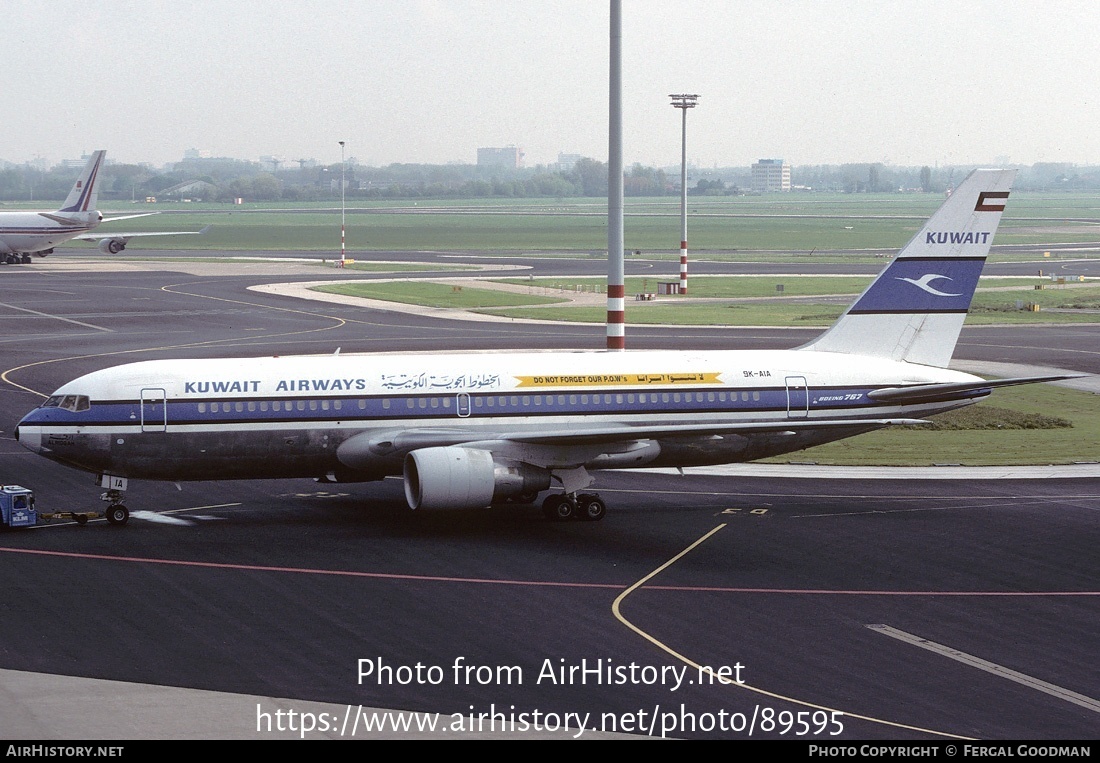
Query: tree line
228,179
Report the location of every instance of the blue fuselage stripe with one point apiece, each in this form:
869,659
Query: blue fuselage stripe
365,409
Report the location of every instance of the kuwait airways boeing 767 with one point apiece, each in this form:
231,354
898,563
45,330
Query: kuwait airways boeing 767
25,233
467,430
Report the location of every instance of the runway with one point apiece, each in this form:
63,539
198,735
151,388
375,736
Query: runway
877,609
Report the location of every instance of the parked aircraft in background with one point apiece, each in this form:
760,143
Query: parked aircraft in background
25,233
466,430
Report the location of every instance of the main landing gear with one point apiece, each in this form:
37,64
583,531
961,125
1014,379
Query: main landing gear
117,513
588,507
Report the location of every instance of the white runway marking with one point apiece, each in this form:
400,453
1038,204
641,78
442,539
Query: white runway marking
991,667
57,317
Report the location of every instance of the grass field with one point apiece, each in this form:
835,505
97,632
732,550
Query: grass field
912,446
718,226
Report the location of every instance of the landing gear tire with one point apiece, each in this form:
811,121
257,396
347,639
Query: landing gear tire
590,508
81,519
118,514
558,508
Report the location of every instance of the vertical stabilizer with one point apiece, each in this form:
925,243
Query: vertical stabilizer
83,196
915,309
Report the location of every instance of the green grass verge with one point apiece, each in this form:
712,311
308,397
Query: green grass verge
434,294
992,445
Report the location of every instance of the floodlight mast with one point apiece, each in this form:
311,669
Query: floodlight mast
616,267
683,101
342,227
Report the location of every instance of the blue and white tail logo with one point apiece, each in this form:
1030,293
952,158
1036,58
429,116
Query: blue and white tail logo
925,281
922,285
915,309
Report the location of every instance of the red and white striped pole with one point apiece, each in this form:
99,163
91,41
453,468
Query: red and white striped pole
683,101
684,266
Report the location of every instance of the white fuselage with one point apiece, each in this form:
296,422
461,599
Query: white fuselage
39,231
360,414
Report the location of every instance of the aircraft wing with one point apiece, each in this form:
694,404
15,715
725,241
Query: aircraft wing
127,236
112,243
577,443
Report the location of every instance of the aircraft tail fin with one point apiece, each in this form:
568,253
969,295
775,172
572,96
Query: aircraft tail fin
914,310
82,198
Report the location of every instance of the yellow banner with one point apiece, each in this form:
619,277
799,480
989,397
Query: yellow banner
608,380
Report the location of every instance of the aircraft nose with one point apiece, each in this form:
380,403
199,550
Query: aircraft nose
29,439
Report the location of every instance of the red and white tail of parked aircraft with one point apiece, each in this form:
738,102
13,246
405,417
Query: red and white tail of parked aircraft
25,233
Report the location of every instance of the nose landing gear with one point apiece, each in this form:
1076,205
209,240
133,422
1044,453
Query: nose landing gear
117,513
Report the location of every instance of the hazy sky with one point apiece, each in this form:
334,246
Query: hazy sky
815,82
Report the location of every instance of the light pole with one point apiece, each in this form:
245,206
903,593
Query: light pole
616,265
683,101
342,236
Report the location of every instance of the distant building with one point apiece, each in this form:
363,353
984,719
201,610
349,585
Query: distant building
509,156
566,162
198,153
771,176
70,164
199,188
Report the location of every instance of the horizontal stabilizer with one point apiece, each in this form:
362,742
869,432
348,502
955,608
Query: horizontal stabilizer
930,393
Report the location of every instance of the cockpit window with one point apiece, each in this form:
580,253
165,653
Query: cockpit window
75,403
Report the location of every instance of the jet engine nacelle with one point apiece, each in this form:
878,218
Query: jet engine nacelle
467,478
111,245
